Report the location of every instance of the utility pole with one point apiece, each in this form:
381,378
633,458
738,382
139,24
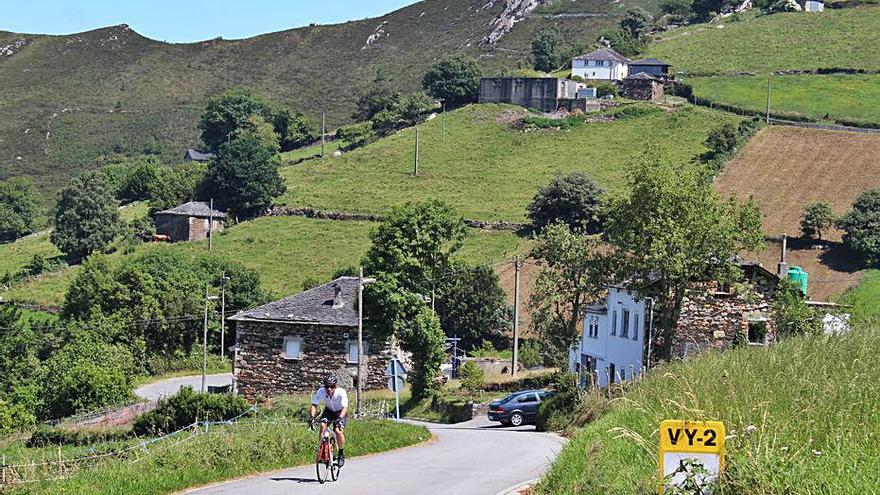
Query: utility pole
416,158
223,280
205,339
768,100
323,131
515,316
443,122
360,384
211,227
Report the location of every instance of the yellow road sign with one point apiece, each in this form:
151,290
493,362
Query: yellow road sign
683,443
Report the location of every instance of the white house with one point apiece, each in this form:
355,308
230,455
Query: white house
614,338
603,63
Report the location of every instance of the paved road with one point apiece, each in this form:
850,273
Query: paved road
156,390
473,458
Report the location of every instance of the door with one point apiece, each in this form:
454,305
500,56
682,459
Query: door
528,404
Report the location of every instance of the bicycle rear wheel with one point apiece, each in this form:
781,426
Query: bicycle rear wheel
334,467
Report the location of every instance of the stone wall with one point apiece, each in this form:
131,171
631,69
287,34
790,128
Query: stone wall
711,319
642,89
261,370
198,228
184,228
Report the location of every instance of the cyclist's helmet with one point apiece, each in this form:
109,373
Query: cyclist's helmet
329,379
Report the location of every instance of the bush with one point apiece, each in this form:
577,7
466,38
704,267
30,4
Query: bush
861,227
726,140
472,376
633,111
791,315
47,436
574,199
187,407
530,354
355,135
19,208
557,411
604,88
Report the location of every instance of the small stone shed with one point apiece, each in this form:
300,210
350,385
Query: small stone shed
189,222
287,346
642,86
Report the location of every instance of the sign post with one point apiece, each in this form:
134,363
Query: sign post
691,452
397,380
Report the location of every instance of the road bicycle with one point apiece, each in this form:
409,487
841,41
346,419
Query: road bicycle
327,453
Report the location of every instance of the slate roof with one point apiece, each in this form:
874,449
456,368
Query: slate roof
600,308
197,209
641,75
197,156
604,54
650,61
314,306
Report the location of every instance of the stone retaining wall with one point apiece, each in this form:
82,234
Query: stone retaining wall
308,212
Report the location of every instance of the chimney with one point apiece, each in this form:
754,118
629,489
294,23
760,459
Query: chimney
782,267
337,296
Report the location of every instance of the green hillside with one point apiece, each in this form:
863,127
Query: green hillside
865,298
793,429
486,166
832,97
70,100
835,38
284,250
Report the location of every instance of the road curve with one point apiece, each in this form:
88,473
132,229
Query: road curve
472,458
163,388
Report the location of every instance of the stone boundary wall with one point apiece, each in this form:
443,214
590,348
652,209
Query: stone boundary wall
308,212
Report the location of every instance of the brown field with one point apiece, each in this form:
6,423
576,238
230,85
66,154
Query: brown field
787,168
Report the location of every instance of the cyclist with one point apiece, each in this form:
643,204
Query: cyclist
335,410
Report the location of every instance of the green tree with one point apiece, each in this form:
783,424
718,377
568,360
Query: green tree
19,208
472,376
573,273
816,218
228,112
791,314
86,374
412,107
355,135
416,243
244,177
861,227
294,129
622,42
176,185
672,229
636,21
706,9
470,303
378,98
140,180
86,216
455,79
574,199
21,349
549,50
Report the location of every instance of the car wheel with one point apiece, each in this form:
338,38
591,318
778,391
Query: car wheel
516,419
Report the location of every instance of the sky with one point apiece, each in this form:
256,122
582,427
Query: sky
180,21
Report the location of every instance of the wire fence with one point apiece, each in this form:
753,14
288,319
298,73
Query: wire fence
59,468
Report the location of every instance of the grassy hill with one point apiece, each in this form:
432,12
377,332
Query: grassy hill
70,100
835,38
486,166
820,97
813,432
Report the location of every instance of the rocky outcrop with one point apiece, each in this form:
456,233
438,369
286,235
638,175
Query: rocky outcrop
514,12
12,48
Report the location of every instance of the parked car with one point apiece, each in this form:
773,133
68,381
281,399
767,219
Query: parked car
518,408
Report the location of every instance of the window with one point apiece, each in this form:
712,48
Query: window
614,323
351,346
292,348
757,332
636,327
527,398
624,332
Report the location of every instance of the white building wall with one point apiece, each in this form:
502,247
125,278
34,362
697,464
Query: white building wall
590,69
610,352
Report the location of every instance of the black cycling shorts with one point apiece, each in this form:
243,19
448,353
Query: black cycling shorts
333,416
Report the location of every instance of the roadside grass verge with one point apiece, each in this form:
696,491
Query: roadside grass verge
486,167
284,250
797,425
845,38
225,452
821,97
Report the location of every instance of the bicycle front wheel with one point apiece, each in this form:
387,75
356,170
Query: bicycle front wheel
324,464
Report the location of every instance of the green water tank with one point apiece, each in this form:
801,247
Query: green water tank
799,276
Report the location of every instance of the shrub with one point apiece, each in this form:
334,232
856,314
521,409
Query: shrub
355,135
187,407
47,436
791,315
604,88
472,376
557,411
622,42
574,199
861,227
530,354
816,218
726,140
19,208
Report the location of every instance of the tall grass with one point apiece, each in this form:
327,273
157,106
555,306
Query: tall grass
803,417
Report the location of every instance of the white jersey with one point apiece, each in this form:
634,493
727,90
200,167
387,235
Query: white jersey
335,403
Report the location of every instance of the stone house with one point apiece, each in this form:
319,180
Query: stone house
602,64
642,86
287,346
650,66
547,94
192,221
194,155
